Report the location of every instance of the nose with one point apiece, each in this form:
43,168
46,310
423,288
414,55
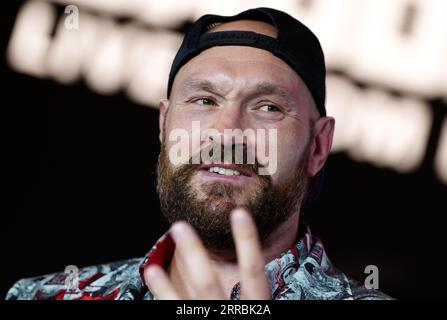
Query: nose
228,128
227,124
229,116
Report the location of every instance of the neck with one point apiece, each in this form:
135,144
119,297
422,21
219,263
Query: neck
225,262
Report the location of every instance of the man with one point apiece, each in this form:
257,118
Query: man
236,230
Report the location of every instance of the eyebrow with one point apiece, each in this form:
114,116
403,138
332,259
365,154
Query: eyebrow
268,88
263,88
198,84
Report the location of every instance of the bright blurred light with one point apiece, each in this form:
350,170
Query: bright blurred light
403,45
148,65
333,22
110,7
105,66
232,7
30,39
70,49
167,13
441,155
374,126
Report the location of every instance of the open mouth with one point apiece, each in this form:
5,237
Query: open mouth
227,170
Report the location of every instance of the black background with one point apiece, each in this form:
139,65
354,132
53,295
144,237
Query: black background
79,188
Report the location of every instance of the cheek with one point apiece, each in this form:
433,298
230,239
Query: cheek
177,119
290,146
177,141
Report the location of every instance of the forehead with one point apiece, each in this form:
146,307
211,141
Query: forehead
230,67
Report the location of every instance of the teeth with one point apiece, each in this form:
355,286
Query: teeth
223,171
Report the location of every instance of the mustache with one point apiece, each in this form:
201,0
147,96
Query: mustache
236,154
236,151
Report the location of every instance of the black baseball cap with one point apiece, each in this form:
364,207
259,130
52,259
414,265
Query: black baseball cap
295,44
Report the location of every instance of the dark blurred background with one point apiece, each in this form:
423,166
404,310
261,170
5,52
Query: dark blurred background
79,186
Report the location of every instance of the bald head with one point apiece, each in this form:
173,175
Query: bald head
247,25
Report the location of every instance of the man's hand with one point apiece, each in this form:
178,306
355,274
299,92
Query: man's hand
200,269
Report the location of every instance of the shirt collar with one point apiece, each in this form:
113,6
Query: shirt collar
278,270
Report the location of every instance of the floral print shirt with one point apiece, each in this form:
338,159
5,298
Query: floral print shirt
304,272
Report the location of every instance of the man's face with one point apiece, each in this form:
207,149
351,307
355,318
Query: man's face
237,87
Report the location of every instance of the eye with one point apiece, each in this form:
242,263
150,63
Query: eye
204,102
269,108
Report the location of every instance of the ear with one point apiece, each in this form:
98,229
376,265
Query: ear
163,106
321,145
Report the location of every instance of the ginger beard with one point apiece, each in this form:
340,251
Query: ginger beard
269,205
